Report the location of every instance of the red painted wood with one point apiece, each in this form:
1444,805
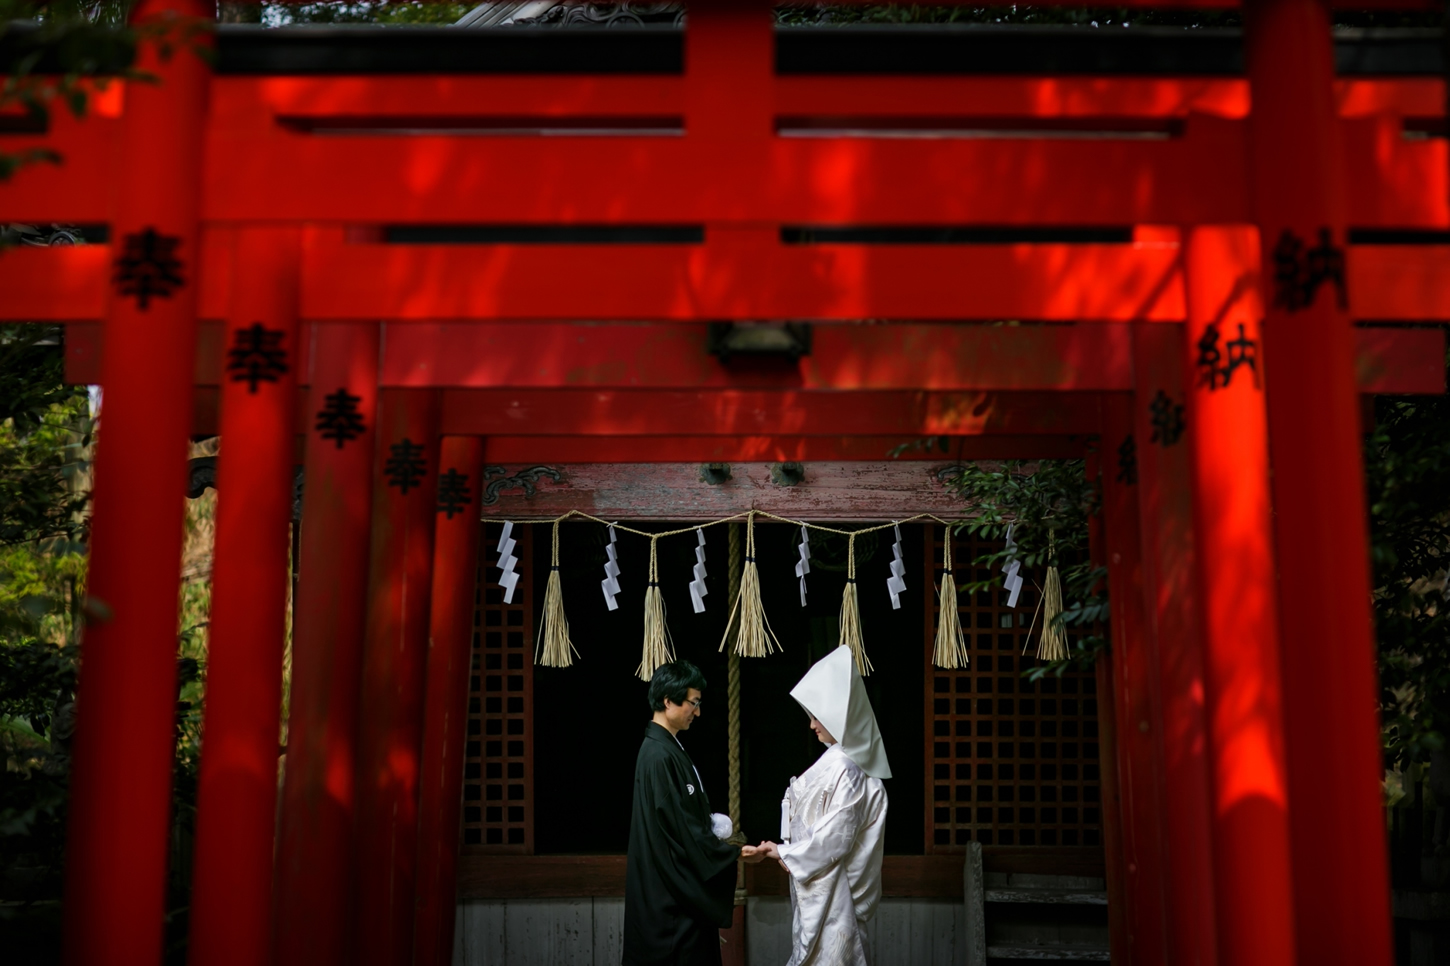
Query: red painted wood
231,893
914,357
1196,176
395,652
78,191
1340,880
120,802
766,449
456,553
1114,853
1401,282
1170,582
744,274
1134,674
578,412
315,841
56,284
673,357
1228,439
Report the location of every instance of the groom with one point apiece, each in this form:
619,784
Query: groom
680,879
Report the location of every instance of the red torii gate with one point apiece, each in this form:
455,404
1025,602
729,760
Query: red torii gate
275,223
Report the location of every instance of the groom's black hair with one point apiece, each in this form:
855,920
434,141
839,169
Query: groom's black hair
674,681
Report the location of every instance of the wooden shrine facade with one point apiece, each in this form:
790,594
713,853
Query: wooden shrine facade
428,253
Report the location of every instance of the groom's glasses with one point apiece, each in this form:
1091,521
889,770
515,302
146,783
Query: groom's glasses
695,702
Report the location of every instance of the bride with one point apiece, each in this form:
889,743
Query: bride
832,820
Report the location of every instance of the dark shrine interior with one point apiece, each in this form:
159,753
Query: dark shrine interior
589,718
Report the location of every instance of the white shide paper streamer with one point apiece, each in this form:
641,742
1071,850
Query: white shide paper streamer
1012,579
509,579
697,586
610,583
895,584
803,566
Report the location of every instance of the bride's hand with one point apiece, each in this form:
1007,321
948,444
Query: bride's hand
751,854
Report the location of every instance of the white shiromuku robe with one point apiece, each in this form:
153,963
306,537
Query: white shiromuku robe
833,819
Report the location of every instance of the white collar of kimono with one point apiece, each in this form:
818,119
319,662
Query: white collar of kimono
833,692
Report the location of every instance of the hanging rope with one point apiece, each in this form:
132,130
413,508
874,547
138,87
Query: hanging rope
1052,646
733,712
754,638
951,644
557,650
752,632
851,612
658,648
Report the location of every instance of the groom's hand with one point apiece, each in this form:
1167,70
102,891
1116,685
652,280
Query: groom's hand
769,849
751,854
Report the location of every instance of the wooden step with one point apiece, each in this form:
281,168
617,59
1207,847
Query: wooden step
1049,951
1085,897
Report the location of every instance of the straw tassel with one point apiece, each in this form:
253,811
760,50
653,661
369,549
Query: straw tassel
1052,645
658,648
951,645
851,613
554,649
755,638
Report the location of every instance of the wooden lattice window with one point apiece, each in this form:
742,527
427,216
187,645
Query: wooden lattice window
1008,761
498,776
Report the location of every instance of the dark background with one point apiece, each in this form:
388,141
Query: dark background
589,719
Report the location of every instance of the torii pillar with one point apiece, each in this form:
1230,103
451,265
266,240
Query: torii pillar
1331,726
120,792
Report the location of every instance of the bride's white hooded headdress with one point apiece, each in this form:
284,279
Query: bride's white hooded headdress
832,692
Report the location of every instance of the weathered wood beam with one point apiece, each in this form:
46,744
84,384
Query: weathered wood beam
712,449
831,490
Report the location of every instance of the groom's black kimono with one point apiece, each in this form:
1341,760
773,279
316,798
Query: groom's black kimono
680,884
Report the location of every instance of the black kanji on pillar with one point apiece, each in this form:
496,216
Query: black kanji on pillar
256,356
148,267
1128,461
453,492
1213,371
406,466
1298,272
1166,417
338,419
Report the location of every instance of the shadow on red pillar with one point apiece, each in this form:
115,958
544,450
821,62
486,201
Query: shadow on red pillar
1331,721
1133,672
120,788
390,722
1115,859
1170,581
231,892
1227,436
456,552
315,842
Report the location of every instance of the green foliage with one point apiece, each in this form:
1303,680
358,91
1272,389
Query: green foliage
61,50
1407,472
387,12
1049,504
44,484
44,440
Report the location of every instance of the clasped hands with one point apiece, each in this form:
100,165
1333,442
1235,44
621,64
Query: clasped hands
756,853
